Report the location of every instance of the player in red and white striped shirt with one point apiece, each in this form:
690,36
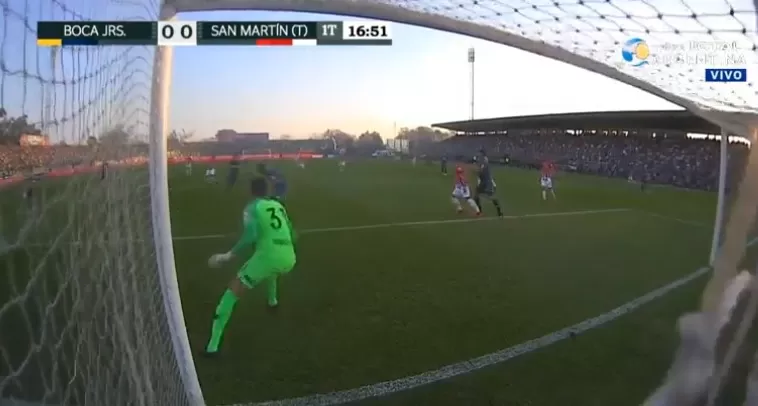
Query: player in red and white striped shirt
461,191
546,179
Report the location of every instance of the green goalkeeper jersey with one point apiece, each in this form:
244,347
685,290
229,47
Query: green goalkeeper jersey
267,226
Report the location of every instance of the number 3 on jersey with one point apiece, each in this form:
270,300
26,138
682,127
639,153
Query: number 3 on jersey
277,217
177,33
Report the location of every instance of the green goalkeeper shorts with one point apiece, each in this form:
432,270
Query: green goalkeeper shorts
263,266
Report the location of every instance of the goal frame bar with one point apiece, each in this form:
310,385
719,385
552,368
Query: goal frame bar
161,216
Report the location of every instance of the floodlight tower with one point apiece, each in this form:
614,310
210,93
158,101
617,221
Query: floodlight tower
471,60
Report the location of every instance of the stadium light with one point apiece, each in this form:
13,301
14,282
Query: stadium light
471,61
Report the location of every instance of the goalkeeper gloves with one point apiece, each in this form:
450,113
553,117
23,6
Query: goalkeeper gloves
216,260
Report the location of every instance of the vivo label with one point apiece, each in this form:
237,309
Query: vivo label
726,75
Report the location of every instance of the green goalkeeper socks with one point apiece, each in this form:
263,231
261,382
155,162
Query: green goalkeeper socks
223,312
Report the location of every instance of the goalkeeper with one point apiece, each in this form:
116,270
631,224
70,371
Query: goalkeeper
267,226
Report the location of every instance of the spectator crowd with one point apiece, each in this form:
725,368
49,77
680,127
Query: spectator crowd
16,159
680,162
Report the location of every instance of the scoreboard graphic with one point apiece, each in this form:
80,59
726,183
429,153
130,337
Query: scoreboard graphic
194,33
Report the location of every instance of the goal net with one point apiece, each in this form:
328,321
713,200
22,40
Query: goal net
681,38
83,305
82,319
665,47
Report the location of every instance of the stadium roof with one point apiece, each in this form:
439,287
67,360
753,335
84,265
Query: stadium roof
674,120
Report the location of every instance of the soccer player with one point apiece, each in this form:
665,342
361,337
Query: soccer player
486,184
103,170
546,182
188,166
461,191
234,170
546,179
267,227
278,183
413,160
641,178
443,164
28,196
342,165
299,160
210,175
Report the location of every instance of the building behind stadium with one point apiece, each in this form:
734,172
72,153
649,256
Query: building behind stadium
231,136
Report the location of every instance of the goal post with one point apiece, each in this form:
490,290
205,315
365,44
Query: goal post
718,218
159,130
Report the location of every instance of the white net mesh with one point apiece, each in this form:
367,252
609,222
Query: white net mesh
81,316
681,39
684,37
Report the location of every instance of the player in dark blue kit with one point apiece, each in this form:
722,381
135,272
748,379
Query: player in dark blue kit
234,170
29,196
486,184
277,181
443,164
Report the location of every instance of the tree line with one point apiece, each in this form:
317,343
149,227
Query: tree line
372,140
12,128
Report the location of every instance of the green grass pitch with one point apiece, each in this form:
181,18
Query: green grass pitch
391,282
373,304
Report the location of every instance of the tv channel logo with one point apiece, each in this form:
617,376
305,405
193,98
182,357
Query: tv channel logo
635,52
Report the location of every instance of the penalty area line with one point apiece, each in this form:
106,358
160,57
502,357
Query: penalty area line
466,367
201,237
422,223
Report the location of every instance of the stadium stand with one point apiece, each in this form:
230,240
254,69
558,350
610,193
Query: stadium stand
650,146
24,160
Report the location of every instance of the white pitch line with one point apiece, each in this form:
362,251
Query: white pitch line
421,223
383,225
465,367
676,219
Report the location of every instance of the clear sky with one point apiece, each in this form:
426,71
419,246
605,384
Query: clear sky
422,79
